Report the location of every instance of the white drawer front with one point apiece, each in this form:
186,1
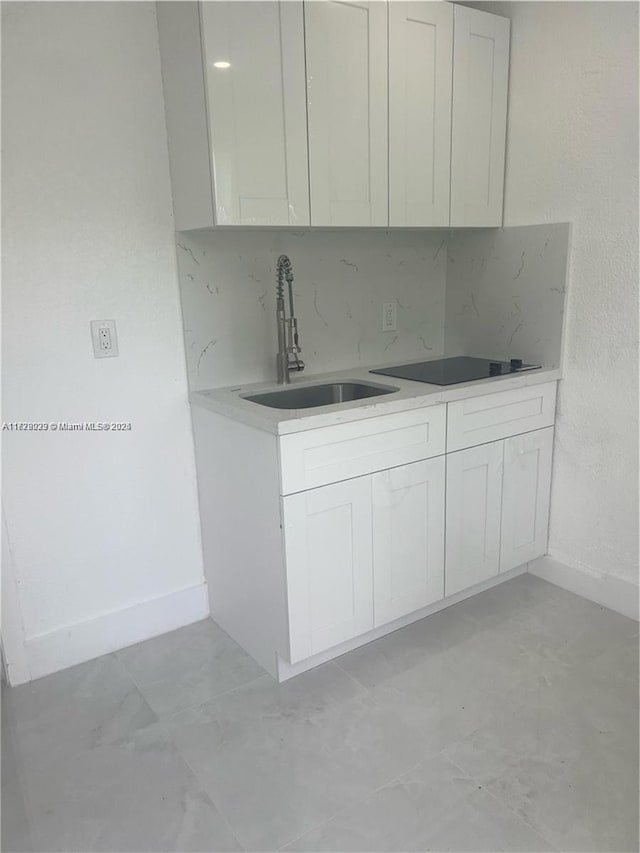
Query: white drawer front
330,454
479,420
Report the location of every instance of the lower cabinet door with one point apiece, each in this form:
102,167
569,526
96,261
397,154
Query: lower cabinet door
408,538
474,502
328,552
525,497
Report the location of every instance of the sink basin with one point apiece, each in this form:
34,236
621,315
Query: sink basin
320,395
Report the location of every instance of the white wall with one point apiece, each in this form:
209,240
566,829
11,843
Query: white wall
342,279
572,155
97,522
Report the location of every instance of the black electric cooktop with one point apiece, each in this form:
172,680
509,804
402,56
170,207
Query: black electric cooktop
450,371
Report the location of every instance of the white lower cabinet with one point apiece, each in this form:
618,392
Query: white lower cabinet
328,555
474,498
408,538
497,507
367,551
331,563
362,553
525,497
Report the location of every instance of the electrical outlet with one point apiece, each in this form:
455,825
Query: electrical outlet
104,337
389,316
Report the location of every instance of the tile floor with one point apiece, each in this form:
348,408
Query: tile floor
507,722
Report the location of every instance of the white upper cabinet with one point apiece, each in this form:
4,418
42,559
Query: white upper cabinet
185,114
420,68
338,113
234,86
480,82
346,53
257,111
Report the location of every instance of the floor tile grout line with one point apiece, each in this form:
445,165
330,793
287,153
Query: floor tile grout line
130,675
357,801
228,823
217,806
79,748
139,689
425,758
153,683
163,719
499,800
353,678
214,698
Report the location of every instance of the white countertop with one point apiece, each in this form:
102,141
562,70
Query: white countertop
410,395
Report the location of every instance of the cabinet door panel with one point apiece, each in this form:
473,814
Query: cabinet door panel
480,81
474,497
327,534
408,538
346,52
525,500
257,111
420,61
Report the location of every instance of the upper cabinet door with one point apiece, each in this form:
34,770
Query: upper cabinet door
420,63
346,49
257,111
480,81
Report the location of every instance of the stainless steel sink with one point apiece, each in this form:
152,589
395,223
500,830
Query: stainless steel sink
320,395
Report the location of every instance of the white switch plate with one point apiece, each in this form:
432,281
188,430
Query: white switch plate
105,338
389,316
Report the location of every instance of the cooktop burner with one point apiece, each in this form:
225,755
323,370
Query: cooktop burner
450,371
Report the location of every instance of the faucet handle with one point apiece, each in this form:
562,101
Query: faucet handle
297,364
293,343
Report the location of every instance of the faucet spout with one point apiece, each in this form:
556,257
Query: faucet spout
288,358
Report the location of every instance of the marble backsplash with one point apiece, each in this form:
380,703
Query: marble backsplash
496,293
227,283
506,292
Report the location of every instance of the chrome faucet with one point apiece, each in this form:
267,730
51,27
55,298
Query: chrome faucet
288,345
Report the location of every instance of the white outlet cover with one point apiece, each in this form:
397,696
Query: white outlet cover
389,323
104,338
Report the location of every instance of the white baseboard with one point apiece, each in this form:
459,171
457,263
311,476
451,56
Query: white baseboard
85,641
608,590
